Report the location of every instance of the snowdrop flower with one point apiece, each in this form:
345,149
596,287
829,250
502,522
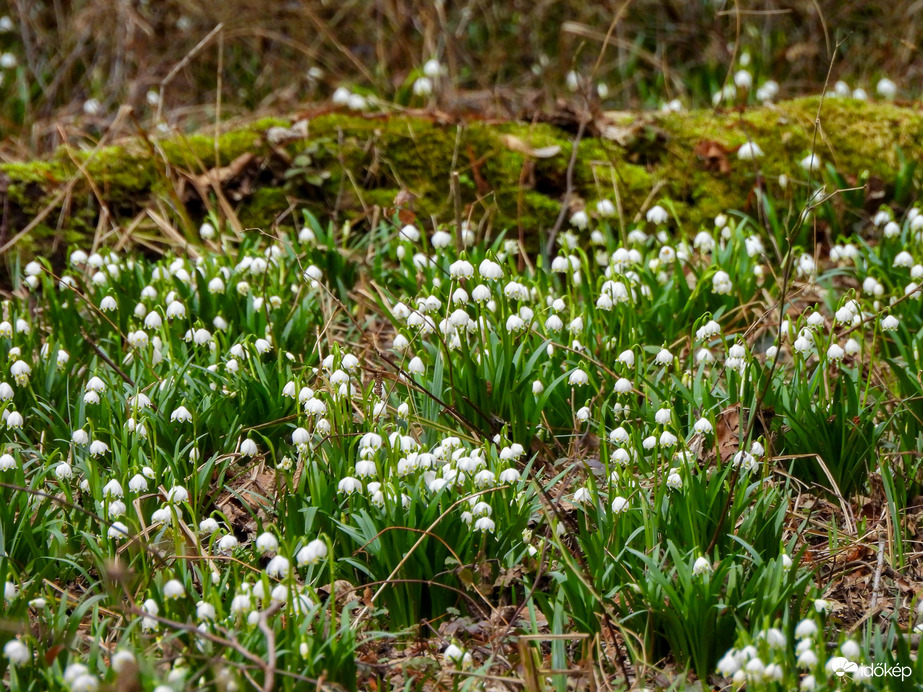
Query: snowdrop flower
578,378
811,162
16,653
627,358
807,660
137,483
98,448
619,505
728,665
667,439
122,660
701,566
743,79
173,590
248,448
749,151
117,530
822,605
208,526
20,370
227,543
423,86
605,208
664,357
514,324
721,283
267,543
416,366
657,215
14,420
457,656
622,386
490,270
663,416
806,628
312,553
509,475
7,462
852,347
485,524
176,310
278,567
62,471
181,415
579,219
886,88
177,494
708,330
461,269
890,323
703,426
850,650
835,352
583,414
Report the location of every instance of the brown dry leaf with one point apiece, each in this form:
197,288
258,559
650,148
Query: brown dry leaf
250,494
514,143
714,155
727,433
224,174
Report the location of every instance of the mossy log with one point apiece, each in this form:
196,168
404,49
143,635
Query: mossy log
513,175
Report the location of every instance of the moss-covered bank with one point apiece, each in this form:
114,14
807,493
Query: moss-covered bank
349,165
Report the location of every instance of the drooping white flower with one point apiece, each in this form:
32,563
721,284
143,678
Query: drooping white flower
619,505
312,553
749,151
173,590
181,415
701,566
657,215
578,378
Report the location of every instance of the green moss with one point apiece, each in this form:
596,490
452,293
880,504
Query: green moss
357,161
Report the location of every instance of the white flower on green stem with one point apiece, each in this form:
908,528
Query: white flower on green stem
701,566
749,151
664,416
667,439
890,323
227,543
579,219
14,420
509,475
181,415
16,653
657,215
485,525
173,590
267,543
664,357
117,530
457,656
619,505
20,370
312,553
721,283
605,208
578,378
703,426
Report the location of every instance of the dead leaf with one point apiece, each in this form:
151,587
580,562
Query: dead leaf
516,144
714,155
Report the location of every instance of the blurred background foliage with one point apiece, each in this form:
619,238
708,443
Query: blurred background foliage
68,66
